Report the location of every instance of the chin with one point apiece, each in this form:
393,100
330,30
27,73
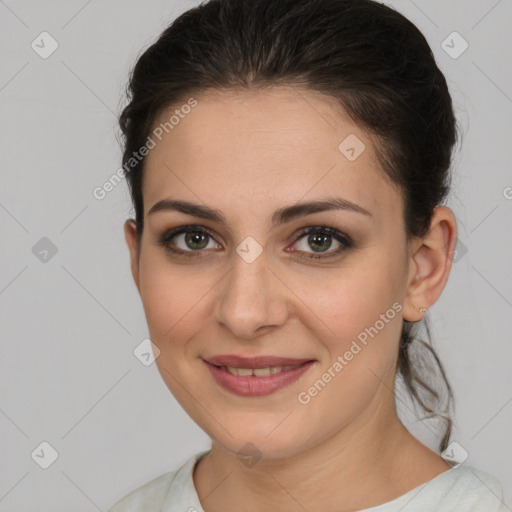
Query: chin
256,443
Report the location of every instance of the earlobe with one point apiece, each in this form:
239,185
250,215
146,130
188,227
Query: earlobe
130,233
430,264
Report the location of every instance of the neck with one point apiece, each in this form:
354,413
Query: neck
371,461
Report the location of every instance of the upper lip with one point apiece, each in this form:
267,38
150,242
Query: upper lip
254,362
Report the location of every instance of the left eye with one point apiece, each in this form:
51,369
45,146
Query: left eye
321,238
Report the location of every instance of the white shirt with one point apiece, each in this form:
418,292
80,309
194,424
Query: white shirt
460,489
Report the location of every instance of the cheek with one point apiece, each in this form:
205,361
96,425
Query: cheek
173,296
346,300
175,299
360,357
358,321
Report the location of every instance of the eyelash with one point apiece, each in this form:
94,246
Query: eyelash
165,238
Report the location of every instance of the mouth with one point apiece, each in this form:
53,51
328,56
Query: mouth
256,376
257,372
257,362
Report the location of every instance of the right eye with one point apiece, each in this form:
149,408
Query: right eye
193,239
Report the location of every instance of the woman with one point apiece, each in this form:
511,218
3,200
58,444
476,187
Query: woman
288,161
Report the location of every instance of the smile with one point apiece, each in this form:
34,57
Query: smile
257,372
257,381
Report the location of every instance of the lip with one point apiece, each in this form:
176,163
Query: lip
253,362
258,386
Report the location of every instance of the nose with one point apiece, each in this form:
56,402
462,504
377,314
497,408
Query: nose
252,300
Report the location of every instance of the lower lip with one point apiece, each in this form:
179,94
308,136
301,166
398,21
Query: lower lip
257,386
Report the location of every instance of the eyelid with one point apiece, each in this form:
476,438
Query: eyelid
336,233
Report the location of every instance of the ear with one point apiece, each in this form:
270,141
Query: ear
130,234
430,263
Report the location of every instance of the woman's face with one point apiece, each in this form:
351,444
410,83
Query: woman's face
249,287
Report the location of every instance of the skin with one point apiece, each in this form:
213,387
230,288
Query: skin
247,153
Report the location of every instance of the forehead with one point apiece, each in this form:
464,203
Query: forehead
278,144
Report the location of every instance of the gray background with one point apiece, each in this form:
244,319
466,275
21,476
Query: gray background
71,320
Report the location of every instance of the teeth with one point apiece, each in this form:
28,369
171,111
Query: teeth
262,372
258,372
243,372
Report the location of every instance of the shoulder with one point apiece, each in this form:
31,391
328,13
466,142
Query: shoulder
149,497
468,487
461,488
170,491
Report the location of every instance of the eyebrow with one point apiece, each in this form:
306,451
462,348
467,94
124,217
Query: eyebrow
280,216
